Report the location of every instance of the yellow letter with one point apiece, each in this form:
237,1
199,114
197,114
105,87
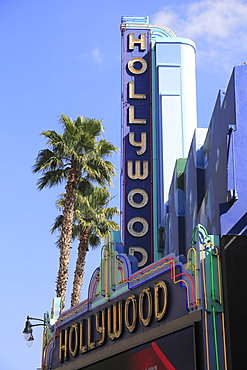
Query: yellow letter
90,345
132,119
131,195
160,285
137,174
117,321
75,330
101,329
142,251
63,347
130,327
141,41
139,71
147,292
83,348
142,143
132,94
132,231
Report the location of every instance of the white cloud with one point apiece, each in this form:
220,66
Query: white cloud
219,27
97,56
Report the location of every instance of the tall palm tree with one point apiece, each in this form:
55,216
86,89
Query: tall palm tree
77,158
92,221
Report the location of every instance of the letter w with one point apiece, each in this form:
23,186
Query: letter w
137,174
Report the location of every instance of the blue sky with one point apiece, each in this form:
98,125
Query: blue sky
64,57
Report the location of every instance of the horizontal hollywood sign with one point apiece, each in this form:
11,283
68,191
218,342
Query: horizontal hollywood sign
102,328
137,159
110,323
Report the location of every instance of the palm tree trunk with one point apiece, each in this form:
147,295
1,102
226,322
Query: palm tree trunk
79,270
66,234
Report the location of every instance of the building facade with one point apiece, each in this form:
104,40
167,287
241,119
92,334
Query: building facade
164,295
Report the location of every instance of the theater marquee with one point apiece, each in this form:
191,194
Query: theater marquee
153,308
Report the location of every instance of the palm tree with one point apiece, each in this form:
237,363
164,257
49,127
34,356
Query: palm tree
92,221
78,159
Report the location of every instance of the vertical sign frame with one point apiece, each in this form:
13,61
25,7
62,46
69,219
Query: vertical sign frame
137,187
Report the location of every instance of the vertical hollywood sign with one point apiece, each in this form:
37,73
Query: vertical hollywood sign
137,191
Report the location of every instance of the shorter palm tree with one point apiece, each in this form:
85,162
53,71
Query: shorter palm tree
92,221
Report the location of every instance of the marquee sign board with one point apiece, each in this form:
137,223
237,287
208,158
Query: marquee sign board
156,305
